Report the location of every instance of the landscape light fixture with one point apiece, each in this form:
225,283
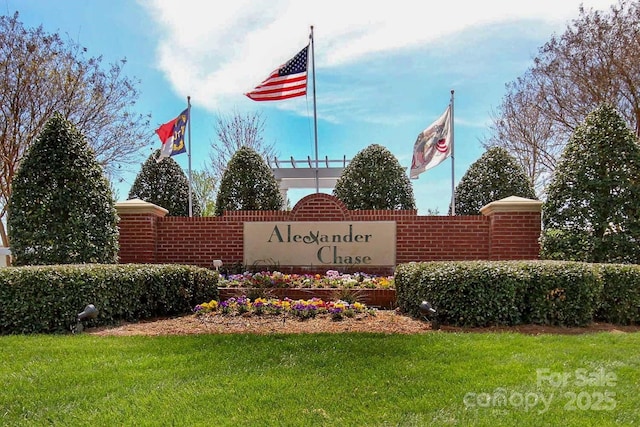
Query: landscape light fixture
217,263
89,312
429,314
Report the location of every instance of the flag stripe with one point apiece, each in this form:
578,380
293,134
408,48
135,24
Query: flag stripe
275,98
278,92
287,81
302,78
281,86
297,83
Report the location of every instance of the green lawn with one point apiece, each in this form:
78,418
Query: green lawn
321,380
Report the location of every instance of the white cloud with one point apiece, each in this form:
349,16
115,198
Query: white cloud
215,51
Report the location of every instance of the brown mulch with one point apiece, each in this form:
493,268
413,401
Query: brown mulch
384,321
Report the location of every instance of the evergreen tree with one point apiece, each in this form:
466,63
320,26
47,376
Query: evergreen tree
593,204
61,209
494,176
248,184
374,179
164,184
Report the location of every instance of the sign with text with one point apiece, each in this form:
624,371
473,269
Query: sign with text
325,243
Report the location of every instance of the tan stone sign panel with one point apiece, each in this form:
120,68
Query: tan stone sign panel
323,243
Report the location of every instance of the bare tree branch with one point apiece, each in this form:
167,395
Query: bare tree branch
234,132
595,61
41,74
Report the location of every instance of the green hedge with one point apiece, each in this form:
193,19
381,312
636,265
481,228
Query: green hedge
483,293
464,293
45,299
620,300
560,293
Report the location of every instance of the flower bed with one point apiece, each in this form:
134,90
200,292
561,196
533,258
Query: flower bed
375,291
300,309
332,279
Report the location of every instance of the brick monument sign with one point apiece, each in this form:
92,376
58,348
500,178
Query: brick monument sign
320,233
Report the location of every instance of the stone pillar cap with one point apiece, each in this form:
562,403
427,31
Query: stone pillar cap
138,206
512,204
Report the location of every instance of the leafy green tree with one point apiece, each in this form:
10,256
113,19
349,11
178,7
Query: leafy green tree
374,179
494,176
61,209
164,184
248,184
593,204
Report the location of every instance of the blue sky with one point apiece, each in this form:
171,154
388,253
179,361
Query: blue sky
384,70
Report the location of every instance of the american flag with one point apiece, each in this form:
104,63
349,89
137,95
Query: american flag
287,81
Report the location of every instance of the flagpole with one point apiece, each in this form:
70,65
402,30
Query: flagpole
189,153
315,117
453,187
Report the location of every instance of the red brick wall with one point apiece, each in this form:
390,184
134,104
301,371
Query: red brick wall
198,241
511,235
137,238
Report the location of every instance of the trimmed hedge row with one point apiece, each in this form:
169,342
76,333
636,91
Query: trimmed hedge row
46,299
620,300
483,293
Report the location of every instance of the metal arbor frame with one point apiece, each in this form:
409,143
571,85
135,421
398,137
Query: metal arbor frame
293,173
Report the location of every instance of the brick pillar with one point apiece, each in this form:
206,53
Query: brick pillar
514,228
138,230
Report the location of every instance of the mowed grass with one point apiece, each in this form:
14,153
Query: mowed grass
321,380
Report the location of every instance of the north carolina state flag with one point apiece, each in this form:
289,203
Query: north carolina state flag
171,135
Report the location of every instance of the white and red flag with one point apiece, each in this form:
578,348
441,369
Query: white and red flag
433,146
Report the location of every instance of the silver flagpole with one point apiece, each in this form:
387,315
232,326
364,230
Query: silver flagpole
315,117
453,185
189,154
